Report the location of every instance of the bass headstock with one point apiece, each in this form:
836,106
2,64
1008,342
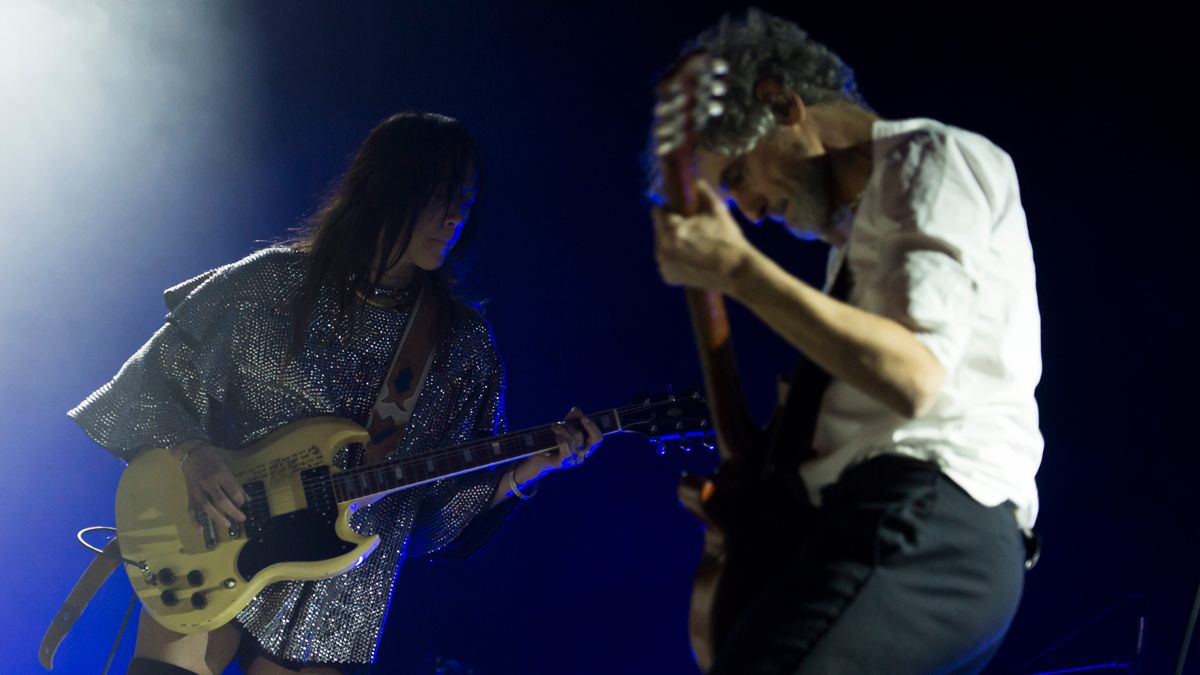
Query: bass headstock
688,97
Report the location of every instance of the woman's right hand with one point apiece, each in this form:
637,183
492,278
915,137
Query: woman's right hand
212,488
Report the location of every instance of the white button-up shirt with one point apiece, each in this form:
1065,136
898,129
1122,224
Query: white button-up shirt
939,243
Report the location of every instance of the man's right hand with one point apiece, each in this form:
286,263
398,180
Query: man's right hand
212,488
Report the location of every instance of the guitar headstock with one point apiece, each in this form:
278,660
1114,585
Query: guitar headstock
688,96
663,418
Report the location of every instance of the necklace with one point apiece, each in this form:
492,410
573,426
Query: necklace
380,296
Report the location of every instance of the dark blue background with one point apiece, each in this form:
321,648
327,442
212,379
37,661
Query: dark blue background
593,575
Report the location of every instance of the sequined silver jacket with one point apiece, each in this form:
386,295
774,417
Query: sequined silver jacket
218,371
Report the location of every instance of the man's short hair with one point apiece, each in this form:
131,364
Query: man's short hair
757,47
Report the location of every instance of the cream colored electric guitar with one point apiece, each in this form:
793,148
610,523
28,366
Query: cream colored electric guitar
304,482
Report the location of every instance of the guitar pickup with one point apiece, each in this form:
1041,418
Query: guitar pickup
255,508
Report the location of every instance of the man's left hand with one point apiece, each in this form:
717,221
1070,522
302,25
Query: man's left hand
704,250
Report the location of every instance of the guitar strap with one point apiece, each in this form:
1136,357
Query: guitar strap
400,388
102,566
393,408
93,578
791,439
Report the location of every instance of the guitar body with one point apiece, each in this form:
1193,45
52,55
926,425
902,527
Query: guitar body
295,529
750,520
304,482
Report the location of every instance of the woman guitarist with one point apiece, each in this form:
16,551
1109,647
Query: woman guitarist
312,329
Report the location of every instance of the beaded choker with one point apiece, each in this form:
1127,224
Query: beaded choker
386,297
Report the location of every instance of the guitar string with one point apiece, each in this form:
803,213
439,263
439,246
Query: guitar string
378,471
505,439
375,471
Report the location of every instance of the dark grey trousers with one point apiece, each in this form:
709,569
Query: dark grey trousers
901,572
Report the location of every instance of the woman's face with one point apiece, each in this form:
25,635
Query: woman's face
437,230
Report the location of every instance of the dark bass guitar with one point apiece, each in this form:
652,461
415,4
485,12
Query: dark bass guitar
754,500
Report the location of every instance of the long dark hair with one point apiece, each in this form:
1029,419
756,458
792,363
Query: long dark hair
408,162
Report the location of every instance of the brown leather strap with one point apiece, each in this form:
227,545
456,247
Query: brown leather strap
404,380
93,578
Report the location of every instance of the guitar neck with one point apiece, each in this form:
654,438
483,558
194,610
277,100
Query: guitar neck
710,323
406,472
722,382
687,99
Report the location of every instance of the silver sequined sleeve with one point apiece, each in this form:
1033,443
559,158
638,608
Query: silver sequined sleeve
167,392
439,519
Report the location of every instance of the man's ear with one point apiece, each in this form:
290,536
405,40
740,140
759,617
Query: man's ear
788,107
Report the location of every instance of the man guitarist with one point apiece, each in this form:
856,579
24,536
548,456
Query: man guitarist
919,458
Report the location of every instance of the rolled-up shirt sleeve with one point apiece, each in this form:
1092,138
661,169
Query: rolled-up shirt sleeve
936,232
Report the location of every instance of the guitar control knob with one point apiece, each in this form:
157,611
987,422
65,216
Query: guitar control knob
199,601
166,576
229,583
195,578
169,598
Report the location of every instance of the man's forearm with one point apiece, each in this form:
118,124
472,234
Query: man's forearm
875,354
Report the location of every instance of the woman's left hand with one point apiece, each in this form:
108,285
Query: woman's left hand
578,437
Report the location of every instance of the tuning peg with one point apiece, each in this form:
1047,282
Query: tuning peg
708,445
715,109
718,88
661,448
720,67
670,107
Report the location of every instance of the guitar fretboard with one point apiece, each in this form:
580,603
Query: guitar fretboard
446,462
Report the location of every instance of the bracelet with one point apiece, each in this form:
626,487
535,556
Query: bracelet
512,484
188,453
